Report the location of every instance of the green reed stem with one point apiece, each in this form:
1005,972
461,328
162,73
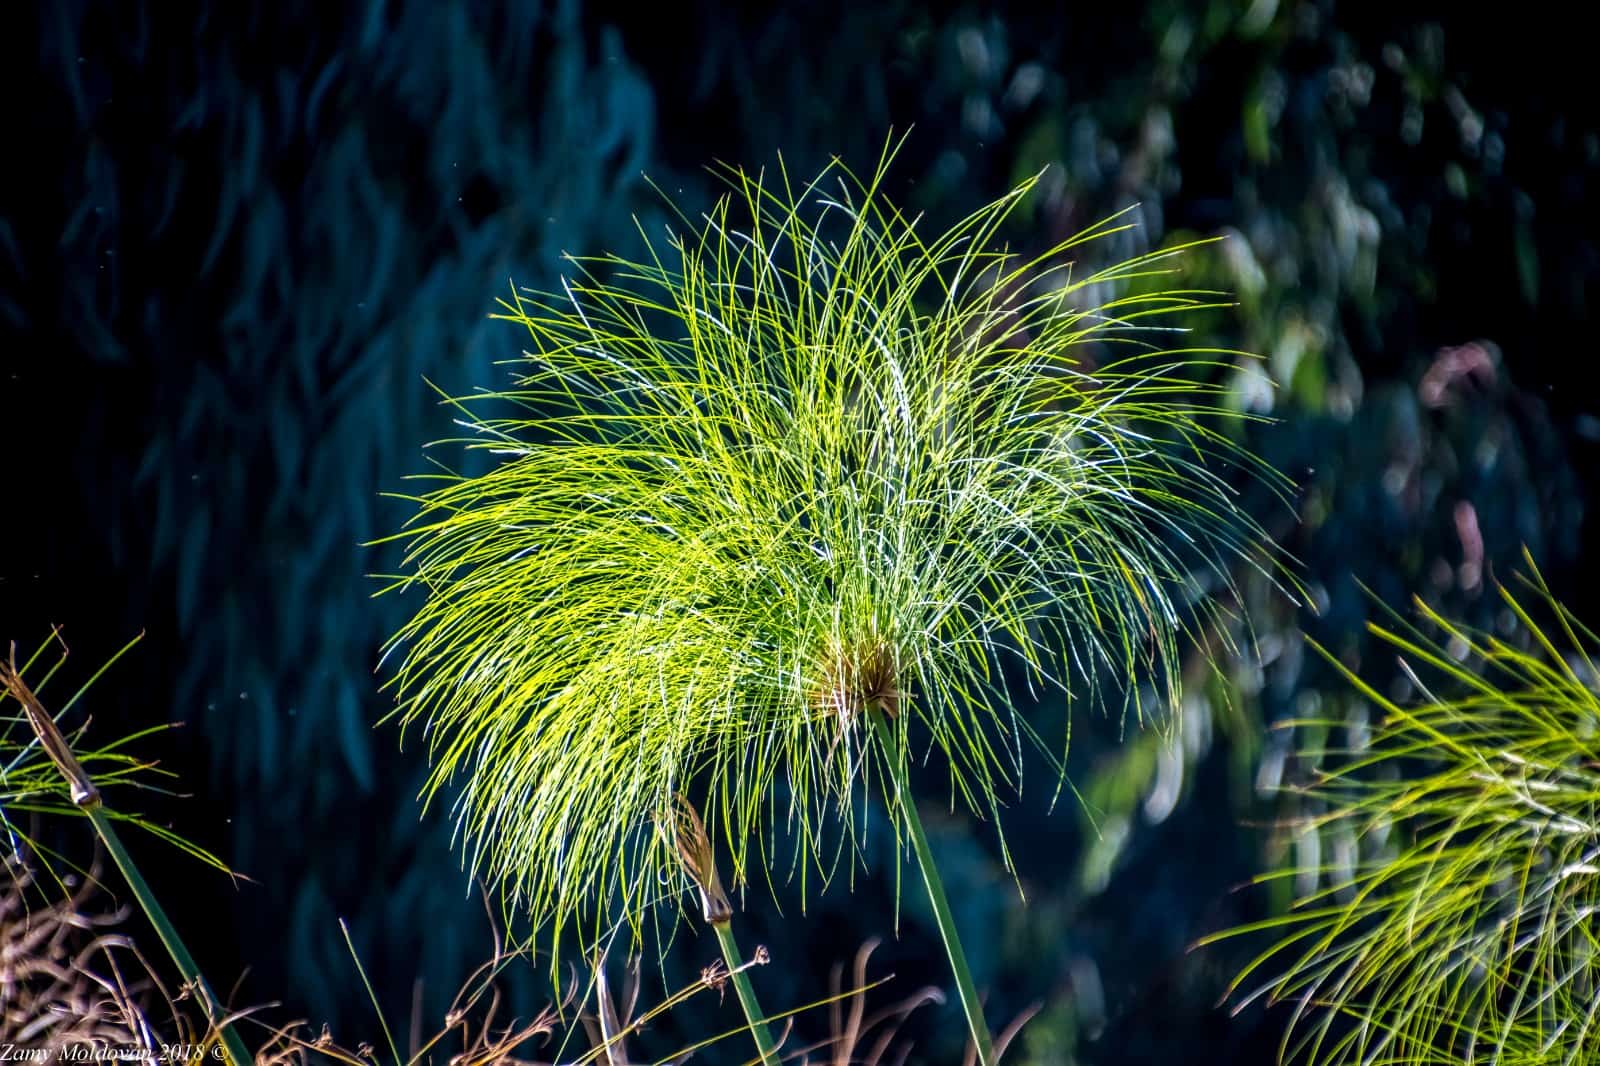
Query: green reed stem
187,967
753,1014
970,1004
86,797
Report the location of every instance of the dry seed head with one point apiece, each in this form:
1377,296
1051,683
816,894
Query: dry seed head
855,676
693,845
715,975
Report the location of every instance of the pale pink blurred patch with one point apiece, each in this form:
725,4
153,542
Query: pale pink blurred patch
1471,571
1472,362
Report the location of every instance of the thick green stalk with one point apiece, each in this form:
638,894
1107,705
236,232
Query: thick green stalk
747,994
175,946
970,1003
693,845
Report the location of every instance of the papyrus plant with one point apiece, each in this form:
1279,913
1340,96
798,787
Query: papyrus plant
1469,931
46,775
783,504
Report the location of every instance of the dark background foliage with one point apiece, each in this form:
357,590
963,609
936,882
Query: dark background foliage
238,237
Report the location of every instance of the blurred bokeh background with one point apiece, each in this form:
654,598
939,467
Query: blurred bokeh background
237,237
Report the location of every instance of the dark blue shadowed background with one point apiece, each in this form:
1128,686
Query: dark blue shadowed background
237,237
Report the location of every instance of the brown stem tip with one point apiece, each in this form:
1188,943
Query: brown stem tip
688,834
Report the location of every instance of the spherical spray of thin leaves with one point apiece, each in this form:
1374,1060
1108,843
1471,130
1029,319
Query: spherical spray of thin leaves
1470,934
796,464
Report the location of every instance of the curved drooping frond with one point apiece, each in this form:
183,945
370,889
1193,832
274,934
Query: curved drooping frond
798,462
1475,938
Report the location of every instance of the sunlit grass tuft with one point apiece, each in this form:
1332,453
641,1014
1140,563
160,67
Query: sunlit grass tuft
799,463
1475,938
